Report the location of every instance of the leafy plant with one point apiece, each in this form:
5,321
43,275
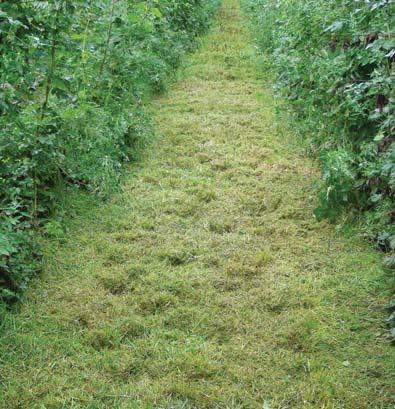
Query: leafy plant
334,63
75,77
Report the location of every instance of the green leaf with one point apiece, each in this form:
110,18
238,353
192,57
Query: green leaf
156,12
60,83
379,137
6,248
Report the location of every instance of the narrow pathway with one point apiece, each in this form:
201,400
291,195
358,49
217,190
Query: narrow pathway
207,283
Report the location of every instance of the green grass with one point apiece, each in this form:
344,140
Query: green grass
206,283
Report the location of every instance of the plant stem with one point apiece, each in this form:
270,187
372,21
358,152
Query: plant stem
109,35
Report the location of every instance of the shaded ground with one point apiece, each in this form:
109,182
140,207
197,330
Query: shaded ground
207,283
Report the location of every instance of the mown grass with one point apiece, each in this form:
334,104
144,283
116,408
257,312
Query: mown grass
206,283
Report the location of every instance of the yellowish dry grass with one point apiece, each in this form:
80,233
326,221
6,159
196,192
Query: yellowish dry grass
207,283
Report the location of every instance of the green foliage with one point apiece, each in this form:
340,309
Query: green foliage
74,79
333,61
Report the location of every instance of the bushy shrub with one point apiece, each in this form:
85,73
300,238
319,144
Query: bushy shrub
75,76
333,61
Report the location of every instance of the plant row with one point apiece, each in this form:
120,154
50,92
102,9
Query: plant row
75,76
333,61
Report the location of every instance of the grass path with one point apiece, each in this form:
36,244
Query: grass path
206,283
